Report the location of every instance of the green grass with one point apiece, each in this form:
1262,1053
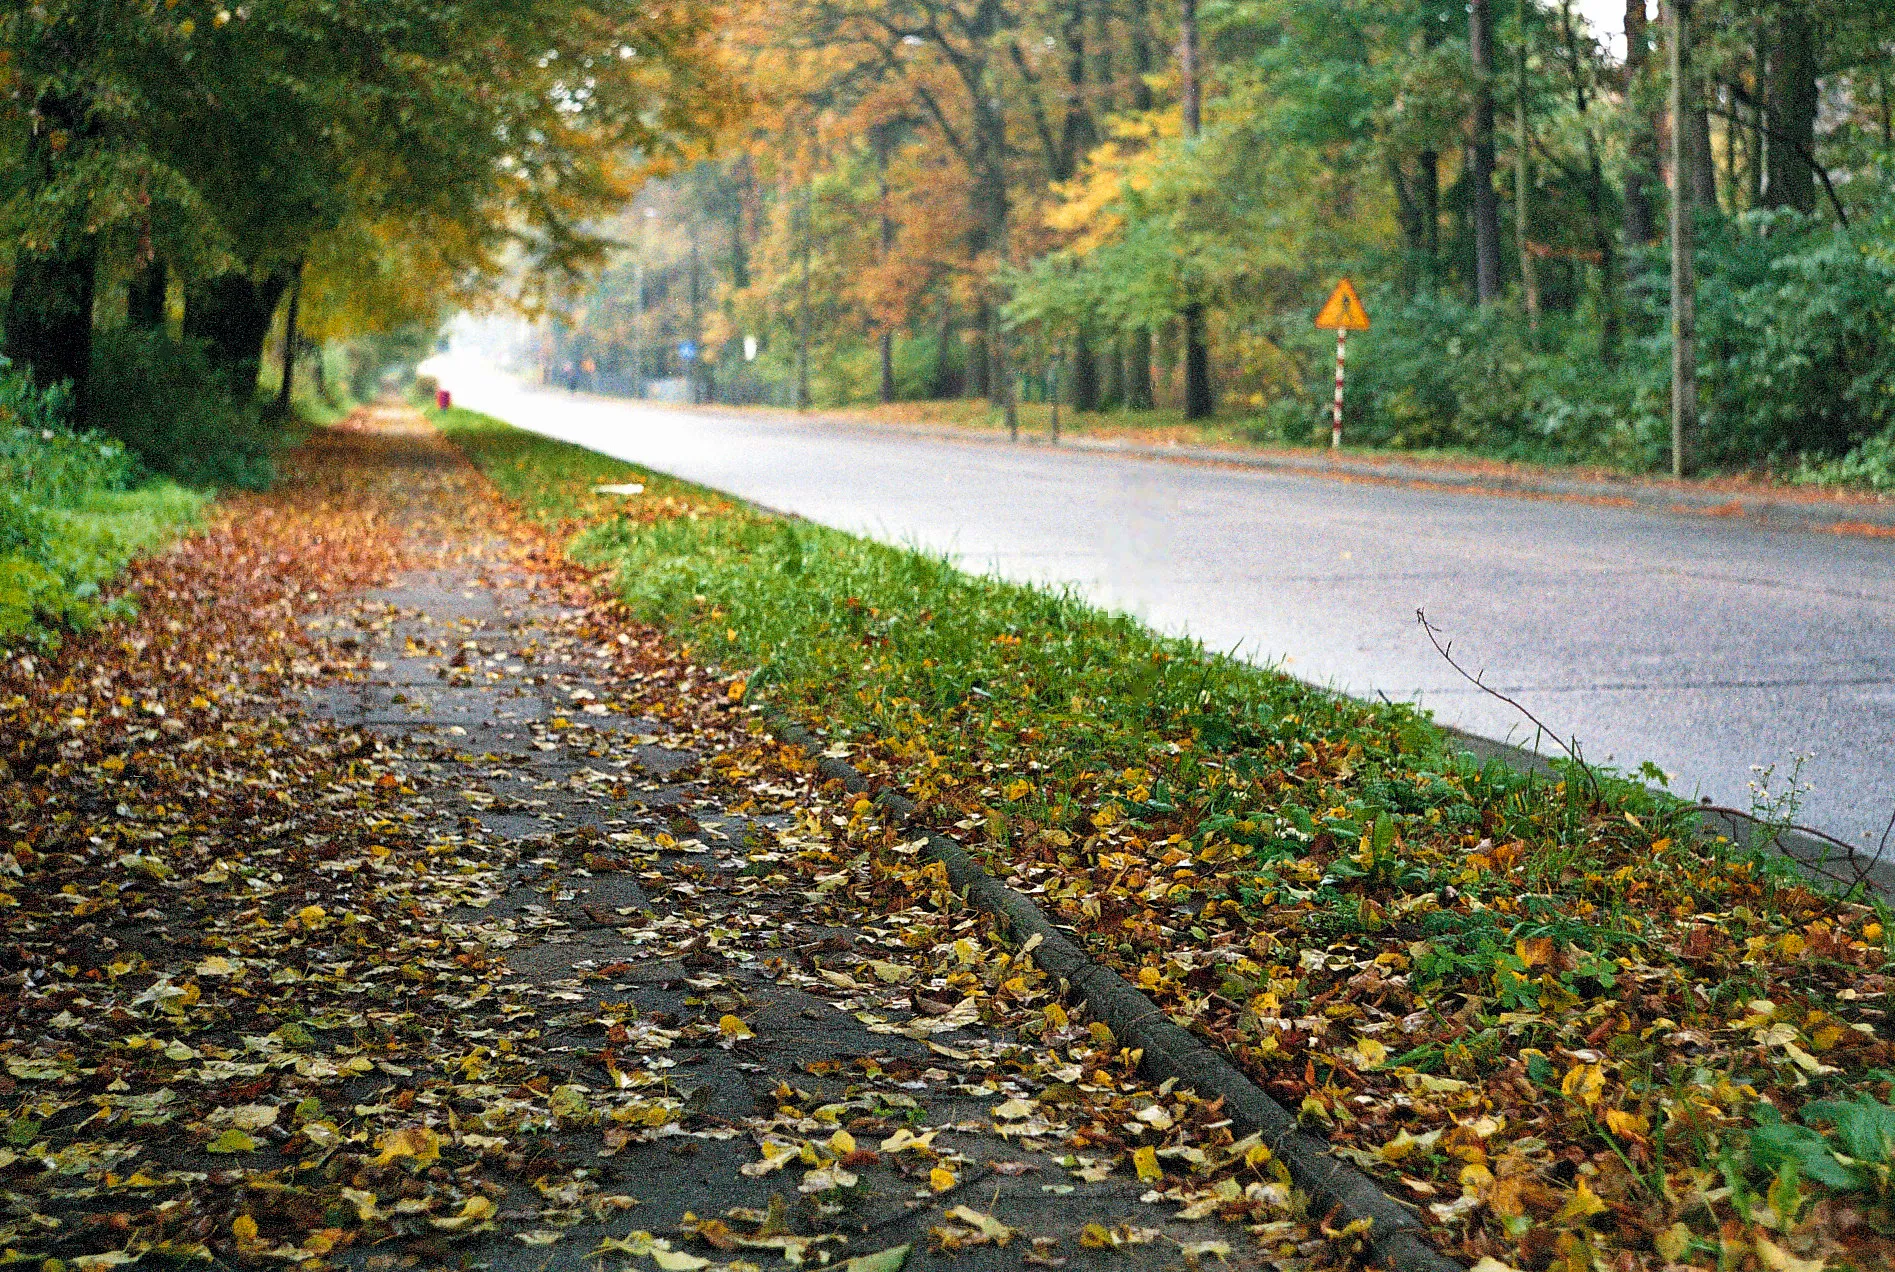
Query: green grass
1209,827
56,588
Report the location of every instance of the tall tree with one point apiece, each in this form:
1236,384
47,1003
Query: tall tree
1641,160
1790,111
1199,399
1480,153
1684,367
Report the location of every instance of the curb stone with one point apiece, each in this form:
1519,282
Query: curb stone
1812,856
1169,1051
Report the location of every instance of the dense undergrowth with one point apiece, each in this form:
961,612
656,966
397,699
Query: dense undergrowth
1572,1031
74,508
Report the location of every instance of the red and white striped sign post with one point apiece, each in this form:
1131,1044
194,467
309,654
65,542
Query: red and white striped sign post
1335,415
1342,311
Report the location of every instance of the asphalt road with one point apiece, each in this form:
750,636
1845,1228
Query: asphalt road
1707,646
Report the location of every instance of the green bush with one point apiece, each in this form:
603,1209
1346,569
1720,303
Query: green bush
165,400
1872,464
72,513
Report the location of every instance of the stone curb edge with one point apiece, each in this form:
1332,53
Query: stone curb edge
1815,858
1169,1051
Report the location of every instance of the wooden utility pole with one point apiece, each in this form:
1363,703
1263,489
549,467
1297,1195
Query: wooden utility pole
1684,300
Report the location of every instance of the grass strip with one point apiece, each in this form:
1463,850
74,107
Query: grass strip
1548,1013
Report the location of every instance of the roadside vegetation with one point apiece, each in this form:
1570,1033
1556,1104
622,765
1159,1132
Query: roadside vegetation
1138,207
1541,1008
75,507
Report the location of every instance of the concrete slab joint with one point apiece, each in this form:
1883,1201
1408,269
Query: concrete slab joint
1170,1052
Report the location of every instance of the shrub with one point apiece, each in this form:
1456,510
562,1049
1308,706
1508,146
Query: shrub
70,514
166,401
1871,464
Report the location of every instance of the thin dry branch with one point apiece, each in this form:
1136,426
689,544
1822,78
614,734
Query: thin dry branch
1447,655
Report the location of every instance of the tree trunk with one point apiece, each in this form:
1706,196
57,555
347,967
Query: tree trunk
1189,72
883,143
1139,394
1480,37
287,387
1790,114
1199,403
1703,158
1597,209
1085,377
1641,169
145,296
943,385
802,307
1523,193
49,320
1113,393
319,372
1140,23
1684,384
978,382
232,314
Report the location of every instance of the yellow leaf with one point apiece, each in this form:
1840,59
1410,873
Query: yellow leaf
417,1142
322,1241
988,1226
1145,1161
733,1028
842,1143
475,1210
1583,1204
678,1261
244,1228
1674,1242
1585,1082
1095,1237
1777,1259
1056,1016
941,1179
1373,1053
1620,1122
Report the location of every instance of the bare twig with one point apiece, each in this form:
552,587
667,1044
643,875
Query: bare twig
1447,655
1859,869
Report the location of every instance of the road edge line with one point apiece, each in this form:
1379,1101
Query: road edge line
1170,1052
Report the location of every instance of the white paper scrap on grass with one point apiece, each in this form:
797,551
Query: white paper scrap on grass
629,488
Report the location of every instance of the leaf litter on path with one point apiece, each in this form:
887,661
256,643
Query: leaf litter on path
380,895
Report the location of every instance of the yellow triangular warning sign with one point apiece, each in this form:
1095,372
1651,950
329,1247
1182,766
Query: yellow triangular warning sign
1343,310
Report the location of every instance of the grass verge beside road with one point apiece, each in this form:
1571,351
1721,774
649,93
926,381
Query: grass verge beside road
1541,1009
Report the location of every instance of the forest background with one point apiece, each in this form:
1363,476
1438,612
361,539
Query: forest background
1139,204
1135,205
